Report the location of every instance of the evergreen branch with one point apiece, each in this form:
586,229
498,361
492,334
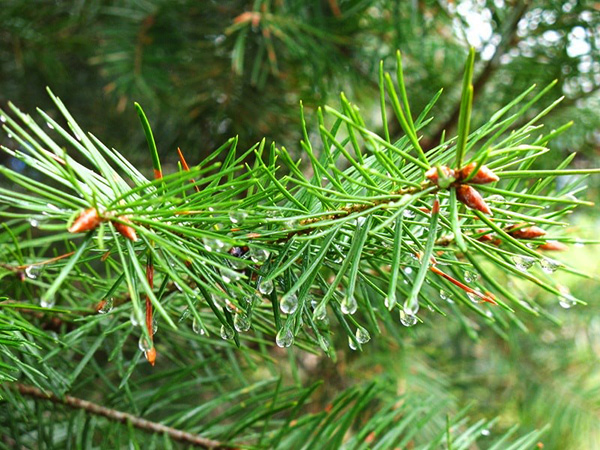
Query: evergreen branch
119,416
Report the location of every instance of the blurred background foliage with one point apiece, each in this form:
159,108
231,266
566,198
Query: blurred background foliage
205,71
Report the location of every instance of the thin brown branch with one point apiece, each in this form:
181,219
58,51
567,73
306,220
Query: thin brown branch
122,417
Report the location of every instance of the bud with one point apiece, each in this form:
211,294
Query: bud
469,196
151,355
484,237
527,232
125,229
448,176
484,174
553,246
87,220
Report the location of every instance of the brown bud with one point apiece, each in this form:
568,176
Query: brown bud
87,220
469,196
527,232
553,246
485,237
151,355
484,174
125,229
433,175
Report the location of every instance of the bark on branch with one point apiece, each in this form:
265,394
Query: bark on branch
122,417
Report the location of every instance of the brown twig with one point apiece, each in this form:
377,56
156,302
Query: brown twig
122,417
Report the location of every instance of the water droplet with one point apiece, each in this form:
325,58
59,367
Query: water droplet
567,301
34,223
351,343
32,272
249,299
184,315
409,214
390,301
237,217
154,326
259,255
229,306
408,270
362,336
50,125
226,332
288,304
474,298
144,344
213,245
349,304
241,322
196,327
134,319
407,320
230,276
496,198
444,295
284,338
238,263
470,276
265,287
290,224
523,263
320,313
549,265
411,308
485,432
360,221
2,119
47,302
107,306
579,242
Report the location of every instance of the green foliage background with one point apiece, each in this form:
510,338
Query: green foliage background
206,71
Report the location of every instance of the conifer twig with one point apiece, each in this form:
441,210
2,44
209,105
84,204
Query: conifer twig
122,417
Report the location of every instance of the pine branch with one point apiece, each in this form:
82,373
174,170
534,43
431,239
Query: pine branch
119,416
